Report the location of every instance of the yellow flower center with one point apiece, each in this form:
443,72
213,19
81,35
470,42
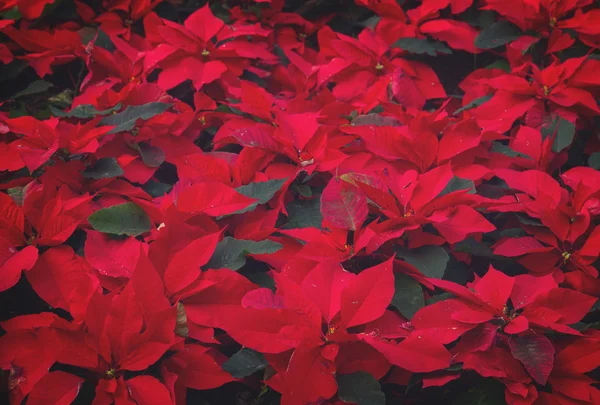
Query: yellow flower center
546,90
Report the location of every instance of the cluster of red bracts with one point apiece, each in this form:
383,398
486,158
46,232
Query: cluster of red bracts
320,194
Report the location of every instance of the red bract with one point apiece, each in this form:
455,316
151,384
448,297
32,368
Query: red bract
276,201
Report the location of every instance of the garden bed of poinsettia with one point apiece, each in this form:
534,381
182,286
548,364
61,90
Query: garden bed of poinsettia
317,202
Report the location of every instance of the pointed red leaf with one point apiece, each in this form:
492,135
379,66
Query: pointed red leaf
310,377
415,353
366,296
145,389
112,257
214,199
184,266
55,388
13,263
204,24
64,280
324,285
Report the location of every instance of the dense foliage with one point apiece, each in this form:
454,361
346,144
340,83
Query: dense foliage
300,202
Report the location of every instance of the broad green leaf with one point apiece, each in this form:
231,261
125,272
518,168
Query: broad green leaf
261,279
526,220
565,132
38,86
304,214
360,388
244,363
61,100
122,219
12,70
375,120
408,296
430,260
473,247
18,110
437,298
457,272
83,111
456,183
262,191
500,33
12,14
475,103
104,168
102,39
421,46
594,161
126,119
488,392
304,190
231,253
17,194
152,156
500,64
156,189
507,151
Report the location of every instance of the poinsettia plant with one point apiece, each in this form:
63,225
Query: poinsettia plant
299,203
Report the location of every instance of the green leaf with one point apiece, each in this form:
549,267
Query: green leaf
304,213
507,151
304,190
83,111
262,192
430,260
456,183
500,64
126,119
526,220
62,100
408,295
500,33
360,388
474,103
488,392
156,189
437,298
474,248
231,253
244,363
18,110
104,168
122,219
36,87
12,70
565,132
375,120
12,14
153,156
261,279
17,194
102,40
594,161
421,46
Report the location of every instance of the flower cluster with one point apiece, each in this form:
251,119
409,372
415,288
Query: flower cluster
237,194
